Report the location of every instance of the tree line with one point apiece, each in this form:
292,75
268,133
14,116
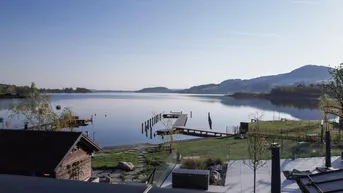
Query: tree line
299,91
25,90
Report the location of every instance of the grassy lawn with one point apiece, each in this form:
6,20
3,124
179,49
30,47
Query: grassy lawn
237,149
289,127
296,128
112,159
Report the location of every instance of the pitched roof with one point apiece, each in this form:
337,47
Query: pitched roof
29,150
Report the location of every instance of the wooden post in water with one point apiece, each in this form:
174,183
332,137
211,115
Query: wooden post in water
150,132
191,114
146,133
160,116
142,128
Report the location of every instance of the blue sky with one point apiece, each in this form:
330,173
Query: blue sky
131,44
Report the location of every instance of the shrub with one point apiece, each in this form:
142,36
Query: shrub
198,164
201,164
211,162
219,161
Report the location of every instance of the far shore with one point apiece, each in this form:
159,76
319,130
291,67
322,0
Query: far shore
270,97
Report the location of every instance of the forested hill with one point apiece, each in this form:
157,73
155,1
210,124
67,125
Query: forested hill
23,90
305,75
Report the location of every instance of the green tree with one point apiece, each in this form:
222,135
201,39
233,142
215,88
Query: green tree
37,110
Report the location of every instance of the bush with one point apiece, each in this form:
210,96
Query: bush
198,164
211,162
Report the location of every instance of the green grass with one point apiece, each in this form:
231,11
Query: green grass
291,127
112,159
237,149
155,158
296,128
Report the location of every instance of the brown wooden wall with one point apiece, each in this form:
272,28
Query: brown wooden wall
76,166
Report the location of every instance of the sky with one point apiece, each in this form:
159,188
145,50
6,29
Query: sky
133,44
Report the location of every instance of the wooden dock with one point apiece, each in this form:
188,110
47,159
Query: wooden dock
179,128
181,121
171,115
193,132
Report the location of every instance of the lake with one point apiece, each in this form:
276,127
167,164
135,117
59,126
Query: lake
119,115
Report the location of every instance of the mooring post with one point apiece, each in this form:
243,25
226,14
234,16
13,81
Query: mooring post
146,133
191,114
142,127
150,132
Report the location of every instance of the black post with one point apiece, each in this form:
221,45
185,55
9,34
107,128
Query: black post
150,132
146,133
328,149
26,125
322,134
142,127
276,176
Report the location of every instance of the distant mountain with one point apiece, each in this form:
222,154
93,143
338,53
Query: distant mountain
156,90
304,75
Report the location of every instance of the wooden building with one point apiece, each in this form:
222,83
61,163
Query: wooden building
53,154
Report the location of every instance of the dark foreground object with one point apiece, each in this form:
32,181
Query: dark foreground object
191,179
25,184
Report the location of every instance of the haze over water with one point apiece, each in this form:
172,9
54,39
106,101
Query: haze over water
125,112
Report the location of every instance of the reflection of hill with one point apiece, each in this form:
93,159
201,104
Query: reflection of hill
298,109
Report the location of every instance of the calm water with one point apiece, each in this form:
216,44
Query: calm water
126,112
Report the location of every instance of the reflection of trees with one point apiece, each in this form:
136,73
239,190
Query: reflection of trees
301,109
298,104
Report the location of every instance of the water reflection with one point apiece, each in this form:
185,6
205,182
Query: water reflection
301,109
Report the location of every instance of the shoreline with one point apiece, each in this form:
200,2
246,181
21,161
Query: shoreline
269,97
123,147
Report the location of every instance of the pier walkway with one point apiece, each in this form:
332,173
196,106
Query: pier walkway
179,128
